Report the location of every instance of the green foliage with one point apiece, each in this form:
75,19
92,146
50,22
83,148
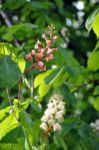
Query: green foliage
9,123
95,25
9,72
95,103
93,60
91,19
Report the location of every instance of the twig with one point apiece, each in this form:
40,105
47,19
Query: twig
8,23
6,19
29,69
11,104
32,87
19,89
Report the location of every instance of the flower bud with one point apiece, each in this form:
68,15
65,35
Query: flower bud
57,127
55,37
29,57
33,52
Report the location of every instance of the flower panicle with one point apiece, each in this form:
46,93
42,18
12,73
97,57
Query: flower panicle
95,126
53,115
43,51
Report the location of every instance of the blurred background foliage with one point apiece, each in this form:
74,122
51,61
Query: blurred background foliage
74,73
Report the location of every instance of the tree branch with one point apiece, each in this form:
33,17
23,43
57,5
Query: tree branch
8,23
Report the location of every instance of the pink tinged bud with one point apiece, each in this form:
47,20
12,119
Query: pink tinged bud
33,52
42,50
39,43
40,64
49,51
36,46
49,57
44,36
39,56
54,49
43,68
29,57
48,41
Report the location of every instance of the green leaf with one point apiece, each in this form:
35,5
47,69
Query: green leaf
59,3
69,97
9,123
96,103
93,61
59,141
13,135
43,89
27,123
39,79
9,72
77,75
13,140
36,130
7,49
95,25
4,112
68,57
53,76
15,4
3,49
96,46
91,19
69,124
84,130
96,90
21,64
57,77
18,31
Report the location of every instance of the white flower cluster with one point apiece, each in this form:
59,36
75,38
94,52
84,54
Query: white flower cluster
95,125
53,115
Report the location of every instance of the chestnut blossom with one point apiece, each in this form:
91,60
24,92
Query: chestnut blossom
43,51
95,125
53,115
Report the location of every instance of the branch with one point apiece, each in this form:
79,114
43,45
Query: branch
8,23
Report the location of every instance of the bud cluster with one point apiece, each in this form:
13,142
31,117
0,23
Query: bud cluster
95,125
43,51
53,115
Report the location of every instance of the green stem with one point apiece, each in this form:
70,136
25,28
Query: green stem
11,103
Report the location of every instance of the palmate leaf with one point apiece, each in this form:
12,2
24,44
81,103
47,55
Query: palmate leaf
9,72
